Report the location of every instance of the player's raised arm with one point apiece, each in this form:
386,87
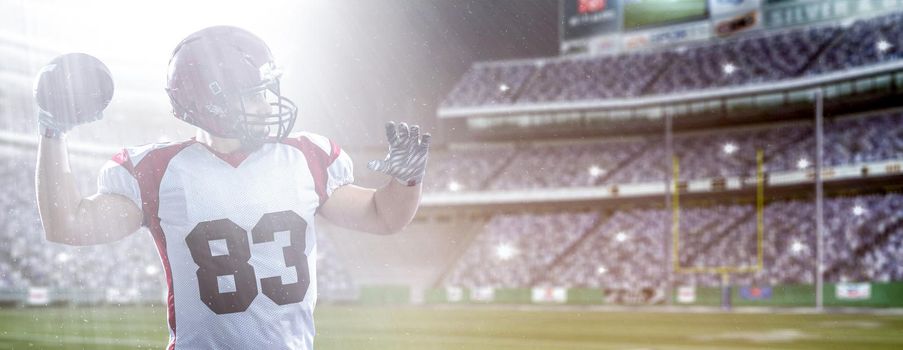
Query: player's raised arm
390,208
74,89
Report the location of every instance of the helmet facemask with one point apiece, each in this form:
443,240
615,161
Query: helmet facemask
254,127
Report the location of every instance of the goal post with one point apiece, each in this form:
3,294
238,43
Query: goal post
722,270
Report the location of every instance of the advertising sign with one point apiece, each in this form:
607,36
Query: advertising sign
686,294
853,291
549,295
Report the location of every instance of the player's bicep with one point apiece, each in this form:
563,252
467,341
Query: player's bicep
107,217
353,207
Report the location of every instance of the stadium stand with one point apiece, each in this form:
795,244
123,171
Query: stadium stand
753,59
626,250
513,249
641,159
466,169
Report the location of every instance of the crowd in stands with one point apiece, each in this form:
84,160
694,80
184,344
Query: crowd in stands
763,57
522,245
551,165
490,84
466,169
863,42
628,248
334,281
624,252
637,159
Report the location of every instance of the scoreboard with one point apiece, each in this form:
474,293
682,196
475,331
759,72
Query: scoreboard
599,26
587,18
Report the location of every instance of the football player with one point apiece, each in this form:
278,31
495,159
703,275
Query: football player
232,209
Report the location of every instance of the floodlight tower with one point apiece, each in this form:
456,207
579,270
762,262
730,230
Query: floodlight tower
819,210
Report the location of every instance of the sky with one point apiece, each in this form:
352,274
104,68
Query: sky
350,65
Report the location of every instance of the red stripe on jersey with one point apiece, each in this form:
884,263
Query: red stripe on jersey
336,151
122,158
149,172
317,162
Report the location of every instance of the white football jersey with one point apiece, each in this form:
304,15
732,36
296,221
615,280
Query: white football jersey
235,233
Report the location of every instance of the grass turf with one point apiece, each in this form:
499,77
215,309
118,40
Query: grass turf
345,327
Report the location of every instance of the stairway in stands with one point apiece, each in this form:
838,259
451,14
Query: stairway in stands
541,273
859,252
471,232
698,252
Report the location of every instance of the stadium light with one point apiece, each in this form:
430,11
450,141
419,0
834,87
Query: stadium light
505,251
729,148
803,163
858,210
729,68
504,87
62,257
151,270
797,247
454,186
882,45
621,237
601,270
595,171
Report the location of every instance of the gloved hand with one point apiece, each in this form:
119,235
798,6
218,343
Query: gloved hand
408,152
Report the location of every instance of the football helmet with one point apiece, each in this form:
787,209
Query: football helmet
213,72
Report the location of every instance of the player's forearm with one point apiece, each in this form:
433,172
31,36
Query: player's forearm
397,204
58,196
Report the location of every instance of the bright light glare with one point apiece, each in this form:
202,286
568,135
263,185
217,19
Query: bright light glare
803,163
858,210
621,237
151,270
729,68
797,247
595,171
601,270
729,148
505,251
504,87
454,186
883,45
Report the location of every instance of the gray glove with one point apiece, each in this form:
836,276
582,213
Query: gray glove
51,126
408,152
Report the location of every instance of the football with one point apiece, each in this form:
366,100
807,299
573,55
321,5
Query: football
74,88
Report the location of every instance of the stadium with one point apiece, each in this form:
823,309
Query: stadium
620,174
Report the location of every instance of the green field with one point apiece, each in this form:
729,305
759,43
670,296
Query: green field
644,13
345,327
